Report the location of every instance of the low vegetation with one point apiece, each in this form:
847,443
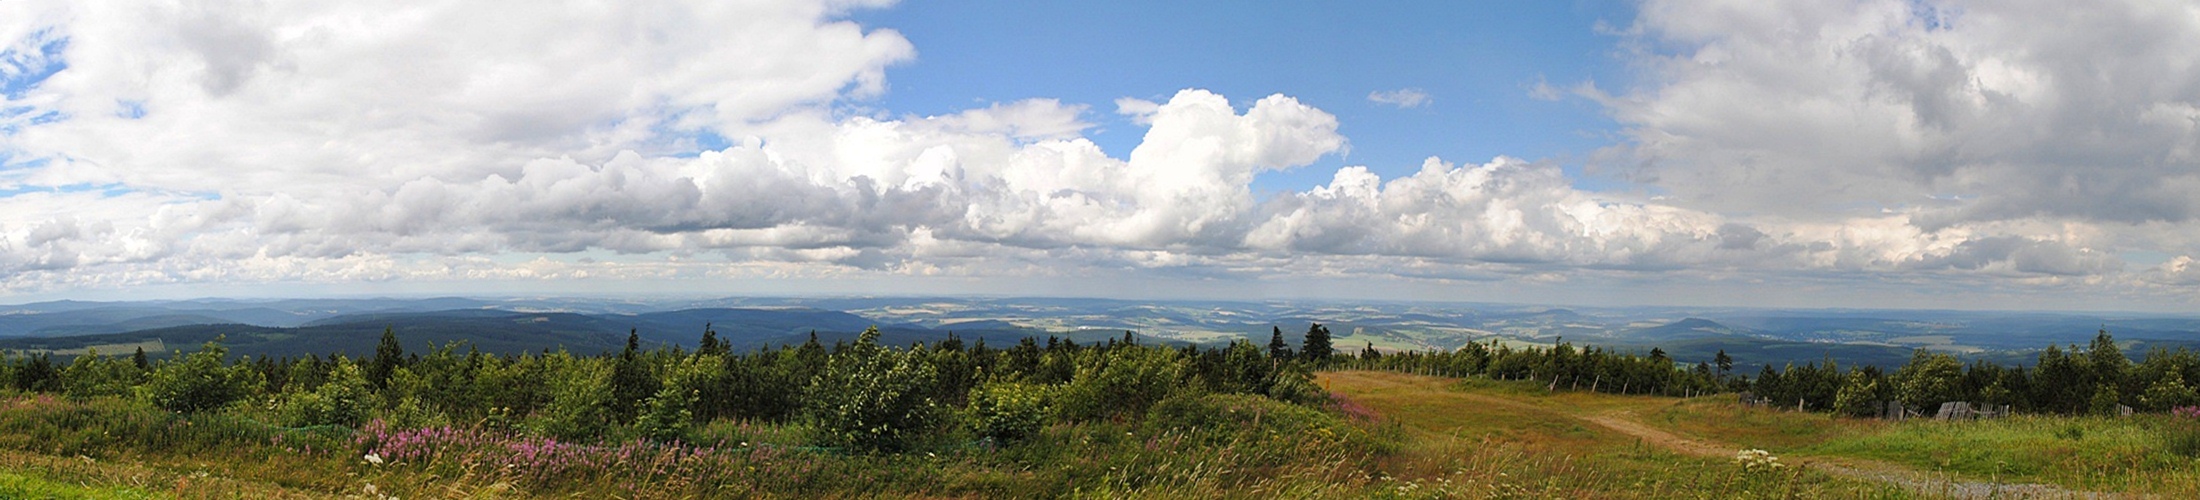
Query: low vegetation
1036,419
852,419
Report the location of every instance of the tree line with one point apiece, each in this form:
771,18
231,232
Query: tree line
1559,366
2095,379
860,395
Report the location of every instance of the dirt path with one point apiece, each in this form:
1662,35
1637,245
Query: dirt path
1660,438
1915,481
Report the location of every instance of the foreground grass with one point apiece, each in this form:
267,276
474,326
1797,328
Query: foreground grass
1483,439
2090,453
17,485
2139,454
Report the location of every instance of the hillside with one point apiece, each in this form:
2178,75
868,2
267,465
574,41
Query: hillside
1601,445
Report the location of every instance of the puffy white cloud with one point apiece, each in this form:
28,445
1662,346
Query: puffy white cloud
1504,211
246,98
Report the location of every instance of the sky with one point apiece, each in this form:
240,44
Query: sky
1912,153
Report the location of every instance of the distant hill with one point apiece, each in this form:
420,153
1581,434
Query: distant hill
1685,329
502,332
1752,336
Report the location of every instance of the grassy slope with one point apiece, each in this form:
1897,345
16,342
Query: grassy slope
2084,453
1503,439
2073,452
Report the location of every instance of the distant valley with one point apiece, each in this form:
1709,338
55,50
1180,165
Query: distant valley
1753,337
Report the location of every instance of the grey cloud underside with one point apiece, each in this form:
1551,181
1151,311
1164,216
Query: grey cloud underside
2085,111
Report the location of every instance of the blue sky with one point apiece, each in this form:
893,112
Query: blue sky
1476,61
1866,153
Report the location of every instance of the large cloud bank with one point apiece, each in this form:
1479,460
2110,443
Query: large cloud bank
276,142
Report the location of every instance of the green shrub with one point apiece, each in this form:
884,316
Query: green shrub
580,399
201,381
1297,386
667,415
344,399
1009,411
93,375
1117,383
870,398
1855,399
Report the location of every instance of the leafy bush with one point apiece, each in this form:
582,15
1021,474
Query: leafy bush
1856,396
93,375
1117,383
1009,411
201,381
667,415
344,399
1297,386
580,399
870,398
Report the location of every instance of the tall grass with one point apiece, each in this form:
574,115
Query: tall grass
2145,453
2140,453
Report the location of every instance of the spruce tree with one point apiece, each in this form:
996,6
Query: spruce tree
630,380
1317,348
387,356
1276,347
2109,364
709,344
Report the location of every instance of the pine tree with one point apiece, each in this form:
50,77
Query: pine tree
630,380
387,356
1725,362
1317,348
710,343
1276,347
2109,363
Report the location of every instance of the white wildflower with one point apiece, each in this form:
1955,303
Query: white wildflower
374,459
1754,459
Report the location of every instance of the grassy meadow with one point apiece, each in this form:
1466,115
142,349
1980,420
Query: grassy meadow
1381,435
